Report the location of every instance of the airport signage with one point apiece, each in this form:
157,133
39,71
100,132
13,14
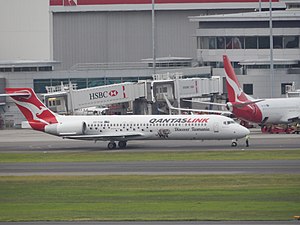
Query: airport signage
103,94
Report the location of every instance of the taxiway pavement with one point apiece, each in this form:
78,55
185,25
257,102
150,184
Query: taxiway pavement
28,140
152,168
32,141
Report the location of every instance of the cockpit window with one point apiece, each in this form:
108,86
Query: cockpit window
228,122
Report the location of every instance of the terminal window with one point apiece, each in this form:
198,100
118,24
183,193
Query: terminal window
247,42
248,89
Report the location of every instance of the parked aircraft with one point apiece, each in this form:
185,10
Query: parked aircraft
261,111
121,129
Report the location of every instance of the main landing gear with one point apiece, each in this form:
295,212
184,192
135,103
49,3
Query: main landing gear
113,145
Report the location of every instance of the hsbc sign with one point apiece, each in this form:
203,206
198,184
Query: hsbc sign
113,93
103,94
106,95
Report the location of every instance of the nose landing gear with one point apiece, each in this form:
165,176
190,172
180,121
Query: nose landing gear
233,143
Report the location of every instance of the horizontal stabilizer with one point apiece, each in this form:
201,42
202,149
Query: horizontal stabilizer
20,94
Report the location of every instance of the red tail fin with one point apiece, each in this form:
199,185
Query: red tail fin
235,92
37,114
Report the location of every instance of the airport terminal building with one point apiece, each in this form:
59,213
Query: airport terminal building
97,42
245,38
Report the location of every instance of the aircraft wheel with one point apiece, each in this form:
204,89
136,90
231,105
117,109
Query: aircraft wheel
122,144
111,145
234,144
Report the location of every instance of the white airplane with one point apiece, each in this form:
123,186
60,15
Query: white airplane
121,129
260,111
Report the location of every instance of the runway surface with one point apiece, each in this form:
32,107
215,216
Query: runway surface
29,140
32,141
152,168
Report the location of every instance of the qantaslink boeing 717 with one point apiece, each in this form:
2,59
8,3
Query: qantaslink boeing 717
118,129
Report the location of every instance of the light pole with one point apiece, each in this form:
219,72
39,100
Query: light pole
153,37
271,49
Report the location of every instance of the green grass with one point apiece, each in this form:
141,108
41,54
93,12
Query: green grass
193,197
114,156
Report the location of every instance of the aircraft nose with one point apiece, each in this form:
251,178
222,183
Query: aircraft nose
243,131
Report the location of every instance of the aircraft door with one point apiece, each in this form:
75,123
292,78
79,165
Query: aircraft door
216,128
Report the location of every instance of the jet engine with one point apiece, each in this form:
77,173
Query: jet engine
67,128
229,106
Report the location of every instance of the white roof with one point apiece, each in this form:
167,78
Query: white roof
26,63
161,6
168,59
267,62
281,15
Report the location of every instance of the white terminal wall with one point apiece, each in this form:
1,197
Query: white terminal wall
24,30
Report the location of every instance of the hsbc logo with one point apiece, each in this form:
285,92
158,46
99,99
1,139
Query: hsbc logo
113,93
70,2
103,94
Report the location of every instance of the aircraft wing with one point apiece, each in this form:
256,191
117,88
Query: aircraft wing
221,112
203,111
291,118
107,137
242,104
237,105
207,103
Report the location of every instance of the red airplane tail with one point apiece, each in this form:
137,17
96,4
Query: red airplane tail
36,113
241,104
235,92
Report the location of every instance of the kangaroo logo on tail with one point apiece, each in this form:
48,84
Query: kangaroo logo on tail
36,113
235,92
241,104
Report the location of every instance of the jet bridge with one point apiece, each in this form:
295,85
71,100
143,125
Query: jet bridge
144,97
73,99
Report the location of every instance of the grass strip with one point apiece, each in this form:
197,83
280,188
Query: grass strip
192,197
114,156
